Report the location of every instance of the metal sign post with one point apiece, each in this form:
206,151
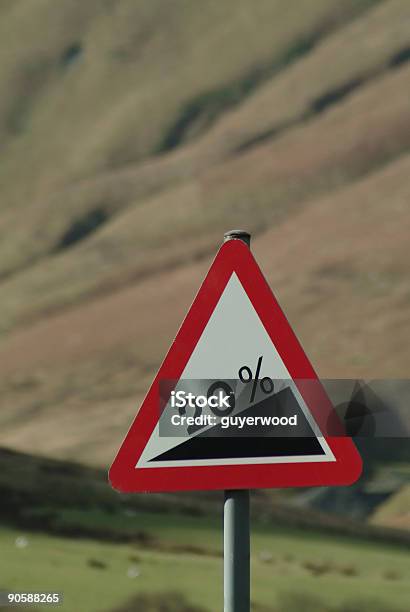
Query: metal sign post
236,551
236,527
233,323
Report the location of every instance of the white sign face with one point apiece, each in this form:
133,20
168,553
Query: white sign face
235,340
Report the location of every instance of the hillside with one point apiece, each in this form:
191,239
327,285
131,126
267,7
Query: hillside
395,511
134,134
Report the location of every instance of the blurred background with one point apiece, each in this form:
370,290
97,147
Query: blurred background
132,136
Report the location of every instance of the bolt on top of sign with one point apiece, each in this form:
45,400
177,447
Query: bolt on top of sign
236,402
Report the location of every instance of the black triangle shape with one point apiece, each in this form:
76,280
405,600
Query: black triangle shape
232,443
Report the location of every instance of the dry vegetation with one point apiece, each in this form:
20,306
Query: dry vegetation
395,512
133,135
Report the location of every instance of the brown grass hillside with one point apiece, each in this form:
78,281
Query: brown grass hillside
134,134
395,511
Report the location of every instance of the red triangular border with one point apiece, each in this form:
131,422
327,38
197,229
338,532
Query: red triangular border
233,256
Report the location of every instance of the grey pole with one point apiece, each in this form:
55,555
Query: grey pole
236,527
236,552
238,235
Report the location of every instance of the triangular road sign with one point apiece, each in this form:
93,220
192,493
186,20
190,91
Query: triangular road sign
233,330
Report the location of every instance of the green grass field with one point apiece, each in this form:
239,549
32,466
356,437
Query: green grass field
287,565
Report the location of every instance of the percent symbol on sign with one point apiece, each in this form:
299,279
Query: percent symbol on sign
246,376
